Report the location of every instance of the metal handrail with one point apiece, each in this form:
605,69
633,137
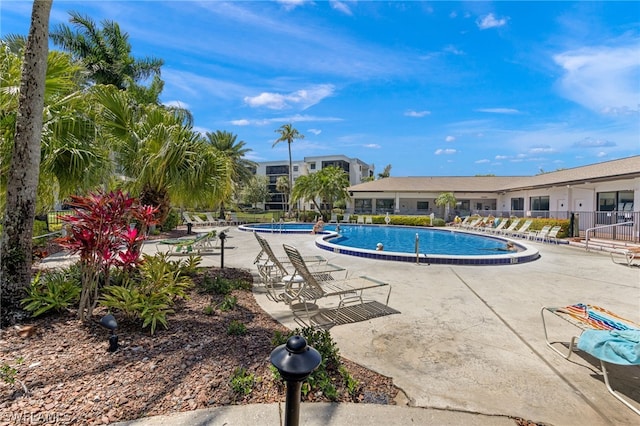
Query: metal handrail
586,238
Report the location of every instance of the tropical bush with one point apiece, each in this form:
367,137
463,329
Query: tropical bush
150,292
171,222
99,230
55,290
323,378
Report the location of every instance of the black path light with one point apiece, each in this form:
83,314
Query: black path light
109,321
295,361
222,237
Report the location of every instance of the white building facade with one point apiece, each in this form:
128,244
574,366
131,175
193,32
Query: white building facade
357,169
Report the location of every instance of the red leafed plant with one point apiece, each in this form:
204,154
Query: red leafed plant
100,231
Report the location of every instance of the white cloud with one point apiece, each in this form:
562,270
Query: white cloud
177,104
445,151
482,161
541,149
602,78
296,118
499,110
315,131
449,139
372,146
411,113
593,143
602,154
490,21
453,50
291,4
501,157
341,7
303,98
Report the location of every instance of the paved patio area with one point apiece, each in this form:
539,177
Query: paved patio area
470,338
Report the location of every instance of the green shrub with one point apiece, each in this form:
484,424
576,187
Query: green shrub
236,328
228,303
439,222
151,293
242,382
209,310
52,291
221,285
171,222
330,369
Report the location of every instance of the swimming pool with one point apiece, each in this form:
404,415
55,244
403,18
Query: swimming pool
434,245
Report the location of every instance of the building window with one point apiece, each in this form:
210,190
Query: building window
423,205
295,168
312,166
277,170
620,200
539,203
517,204
362,205
385,205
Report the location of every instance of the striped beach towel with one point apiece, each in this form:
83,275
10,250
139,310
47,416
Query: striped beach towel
595,317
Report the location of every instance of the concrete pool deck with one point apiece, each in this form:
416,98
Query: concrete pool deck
468,343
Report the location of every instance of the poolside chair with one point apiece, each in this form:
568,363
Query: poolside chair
360,220
334,218
540,234
213,221
463,223
630,256
198,221
346,218
606,336
553,234
472,223
275,275
302,297
368,220
498,229
199,244
522,231
510,228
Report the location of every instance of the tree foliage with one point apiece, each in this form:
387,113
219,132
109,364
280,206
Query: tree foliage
288,134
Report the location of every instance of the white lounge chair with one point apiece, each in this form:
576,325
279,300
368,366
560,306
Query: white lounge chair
346,218
606,336
334,218
368,220
360,220
302,297
522,231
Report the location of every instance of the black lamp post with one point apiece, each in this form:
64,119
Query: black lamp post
295,361
222,237
109,321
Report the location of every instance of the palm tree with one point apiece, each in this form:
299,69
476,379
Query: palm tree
328,185
159,154
386,172
240,168
282,186
73,159
105,53
288,134
22,182
446,199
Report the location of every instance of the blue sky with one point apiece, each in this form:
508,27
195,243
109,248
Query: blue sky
432,88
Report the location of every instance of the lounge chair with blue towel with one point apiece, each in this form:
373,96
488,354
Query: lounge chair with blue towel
605,336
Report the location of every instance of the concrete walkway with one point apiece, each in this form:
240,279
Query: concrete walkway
467,346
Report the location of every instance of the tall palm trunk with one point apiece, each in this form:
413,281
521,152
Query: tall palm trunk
22,182
290,178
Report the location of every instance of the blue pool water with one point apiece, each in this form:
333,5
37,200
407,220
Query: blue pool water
399,239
